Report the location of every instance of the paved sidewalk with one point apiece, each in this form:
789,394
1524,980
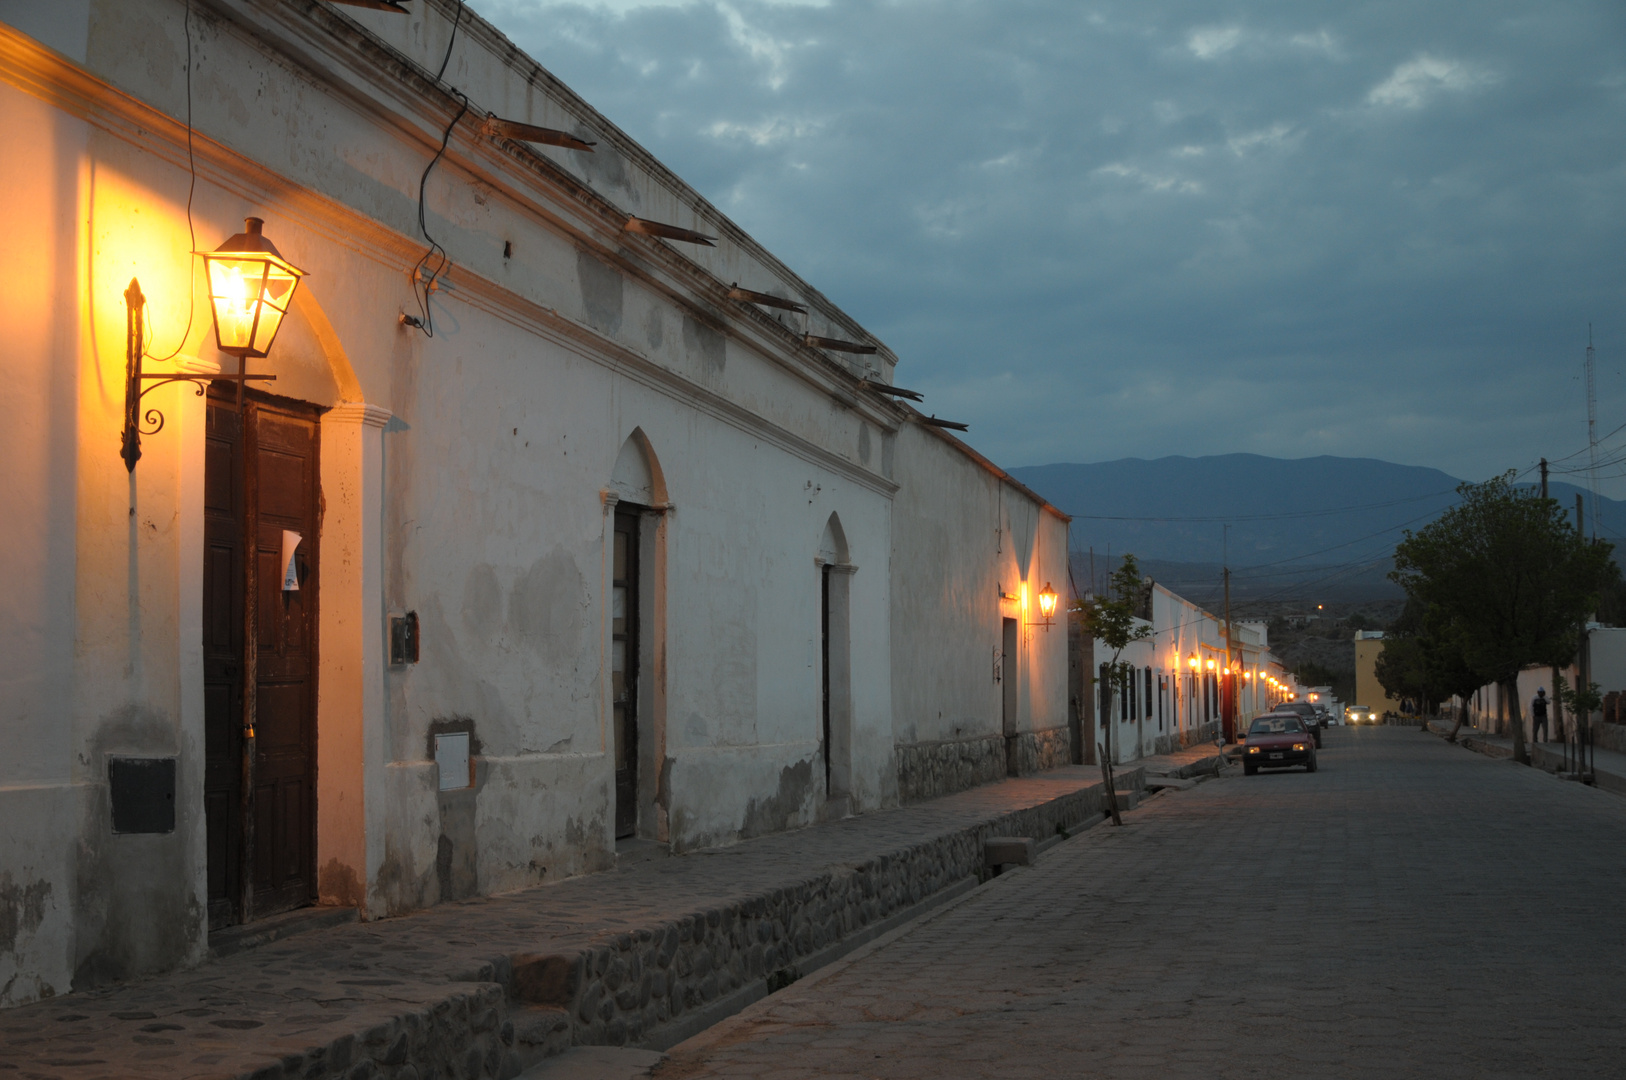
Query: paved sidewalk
647,954
1608,766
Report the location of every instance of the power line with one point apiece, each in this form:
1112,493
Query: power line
1268,517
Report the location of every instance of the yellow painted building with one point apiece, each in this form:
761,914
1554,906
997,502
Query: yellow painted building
1368,691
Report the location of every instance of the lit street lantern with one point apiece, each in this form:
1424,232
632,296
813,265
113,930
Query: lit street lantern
250,288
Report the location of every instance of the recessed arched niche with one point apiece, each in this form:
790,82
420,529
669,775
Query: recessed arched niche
636,477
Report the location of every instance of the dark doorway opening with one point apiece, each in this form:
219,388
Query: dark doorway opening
824,637
261,480
1008,702
624,604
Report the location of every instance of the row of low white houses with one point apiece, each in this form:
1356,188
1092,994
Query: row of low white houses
620,554
1177,694
1489,709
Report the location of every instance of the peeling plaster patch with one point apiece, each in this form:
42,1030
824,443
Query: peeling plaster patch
778,811
702,343
601,292
654,328
139,37
604,168
457,851
399,884
546,606
22,909
482,601
337,884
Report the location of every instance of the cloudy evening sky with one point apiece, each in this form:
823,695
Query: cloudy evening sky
1098,230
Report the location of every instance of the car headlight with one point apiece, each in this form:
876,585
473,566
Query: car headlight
1253,749
1298,746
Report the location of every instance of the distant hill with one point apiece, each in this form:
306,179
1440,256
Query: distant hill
1314,522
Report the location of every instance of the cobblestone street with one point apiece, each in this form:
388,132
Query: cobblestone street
1413,909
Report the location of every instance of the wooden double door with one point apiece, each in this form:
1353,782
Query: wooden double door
261,478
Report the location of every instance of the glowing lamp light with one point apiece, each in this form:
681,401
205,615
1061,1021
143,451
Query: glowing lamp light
1194,662
1047,601
1211,665
250,288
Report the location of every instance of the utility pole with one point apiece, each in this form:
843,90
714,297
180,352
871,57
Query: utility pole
1228,702
1583,661
1592,431
1543,478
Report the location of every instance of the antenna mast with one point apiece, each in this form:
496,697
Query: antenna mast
1592,430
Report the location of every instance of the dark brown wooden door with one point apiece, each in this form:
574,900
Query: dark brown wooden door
223,658
624,671
262,478
824,662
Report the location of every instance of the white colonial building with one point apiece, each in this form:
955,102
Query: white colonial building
621,555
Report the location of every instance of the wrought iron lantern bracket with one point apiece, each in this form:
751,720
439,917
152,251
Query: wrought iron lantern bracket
138,383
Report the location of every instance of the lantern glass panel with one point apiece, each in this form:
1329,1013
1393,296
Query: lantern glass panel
250,294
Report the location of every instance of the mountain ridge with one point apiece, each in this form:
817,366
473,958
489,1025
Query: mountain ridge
1297,513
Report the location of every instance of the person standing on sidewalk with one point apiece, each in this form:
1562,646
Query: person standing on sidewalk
1538,714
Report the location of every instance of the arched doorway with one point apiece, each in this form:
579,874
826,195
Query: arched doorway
635,502
835,634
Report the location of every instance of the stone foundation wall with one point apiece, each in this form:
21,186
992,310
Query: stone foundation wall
927,770
1052,748
1202,733
660,984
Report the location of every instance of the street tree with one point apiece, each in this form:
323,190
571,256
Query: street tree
1581,701
1111,620
1424,657
1510,576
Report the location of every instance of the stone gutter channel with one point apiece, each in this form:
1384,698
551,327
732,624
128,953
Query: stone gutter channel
646,956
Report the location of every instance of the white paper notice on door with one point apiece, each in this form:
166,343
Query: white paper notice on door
290,568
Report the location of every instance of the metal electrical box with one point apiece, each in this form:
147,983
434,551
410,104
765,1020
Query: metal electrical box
143,794
452,755
404,638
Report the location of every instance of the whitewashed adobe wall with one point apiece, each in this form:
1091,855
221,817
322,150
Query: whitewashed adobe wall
467,478
965,538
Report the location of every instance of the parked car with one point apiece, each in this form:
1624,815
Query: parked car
1359,714
1305,712
1277,741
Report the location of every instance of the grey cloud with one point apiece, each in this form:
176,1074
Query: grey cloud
1122,229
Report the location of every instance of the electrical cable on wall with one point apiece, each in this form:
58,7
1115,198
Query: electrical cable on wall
435,262
191,188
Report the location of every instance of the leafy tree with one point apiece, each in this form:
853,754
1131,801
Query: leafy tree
1402,668
1423,659
1509,576
1111,620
